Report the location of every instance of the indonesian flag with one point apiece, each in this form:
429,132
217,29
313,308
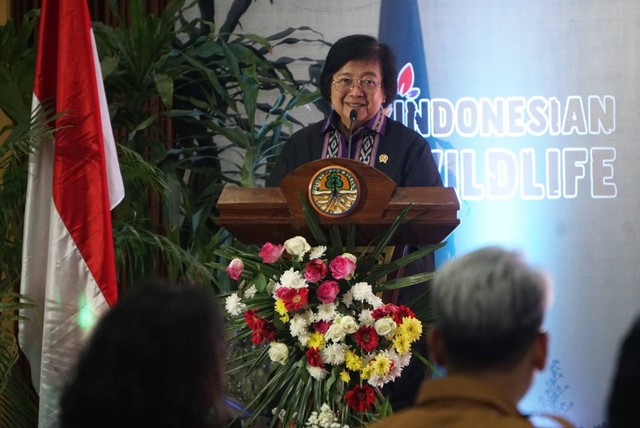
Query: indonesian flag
68,265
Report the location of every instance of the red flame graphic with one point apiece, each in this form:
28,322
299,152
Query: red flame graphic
405,79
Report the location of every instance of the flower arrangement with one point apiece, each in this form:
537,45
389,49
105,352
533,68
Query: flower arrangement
316,315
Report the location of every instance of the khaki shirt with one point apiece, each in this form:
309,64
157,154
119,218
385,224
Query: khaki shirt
459,402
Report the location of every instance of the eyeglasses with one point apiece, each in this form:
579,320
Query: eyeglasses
345,84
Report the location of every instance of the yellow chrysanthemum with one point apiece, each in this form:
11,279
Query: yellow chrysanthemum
366,372
352,361
401,344
316,340
381,365
344,375
411,328
280,308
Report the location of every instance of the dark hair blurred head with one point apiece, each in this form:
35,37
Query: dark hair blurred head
360,47
154,360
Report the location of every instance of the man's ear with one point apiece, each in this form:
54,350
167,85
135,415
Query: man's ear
436,346
540,350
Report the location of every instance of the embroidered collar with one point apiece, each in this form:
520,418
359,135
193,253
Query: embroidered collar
377,124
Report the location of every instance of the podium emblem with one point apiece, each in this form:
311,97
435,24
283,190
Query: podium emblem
334,191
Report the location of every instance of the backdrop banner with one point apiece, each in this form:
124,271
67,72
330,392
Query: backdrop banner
530,109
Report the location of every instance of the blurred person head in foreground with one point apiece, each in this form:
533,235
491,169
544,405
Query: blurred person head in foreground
489,309
156,359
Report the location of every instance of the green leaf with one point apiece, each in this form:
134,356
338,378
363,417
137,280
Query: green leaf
260,282
164,85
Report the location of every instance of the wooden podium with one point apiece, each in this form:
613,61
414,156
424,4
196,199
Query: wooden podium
259,215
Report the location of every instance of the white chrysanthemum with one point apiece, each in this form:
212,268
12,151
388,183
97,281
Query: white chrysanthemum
326,312
326,418
334,353
317,252
293,279
365,318
376,381
312,421
298,325
234,305
308,316
303,339
375,301
250,292
401,360
317,373
361,291
395,372
347,299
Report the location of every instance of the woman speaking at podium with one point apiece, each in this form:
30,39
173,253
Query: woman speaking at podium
359,79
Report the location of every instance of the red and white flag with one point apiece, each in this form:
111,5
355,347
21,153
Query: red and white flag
68,265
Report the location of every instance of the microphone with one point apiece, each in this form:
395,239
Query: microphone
353,115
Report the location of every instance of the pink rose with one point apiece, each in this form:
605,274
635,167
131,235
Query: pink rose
235,268
342,267
328,291
271,253
315,270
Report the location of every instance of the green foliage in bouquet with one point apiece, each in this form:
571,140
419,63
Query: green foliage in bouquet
314,316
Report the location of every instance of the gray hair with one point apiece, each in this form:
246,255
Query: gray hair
489,306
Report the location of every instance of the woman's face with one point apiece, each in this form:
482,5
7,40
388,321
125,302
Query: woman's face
355,98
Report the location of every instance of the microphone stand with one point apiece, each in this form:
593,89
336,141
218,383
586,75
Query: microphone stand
353,115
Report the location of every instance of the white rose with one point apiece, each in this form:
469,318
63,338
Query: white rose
385,326
349,324
350,256
297,246
278,352
335,332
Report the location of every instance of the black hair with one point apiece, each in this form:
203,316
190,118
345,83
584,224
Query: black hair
624,397
154,360
360,47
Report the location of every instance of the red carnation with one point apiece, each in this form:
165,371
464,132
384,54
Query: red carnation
253,320
314,358
403,312
360,398
265,333
293,298
321,326
262,330
367,338
388,310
